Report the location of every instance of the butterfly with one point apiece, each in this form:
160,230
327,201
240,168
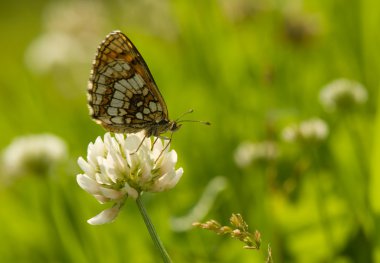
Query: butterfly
122,94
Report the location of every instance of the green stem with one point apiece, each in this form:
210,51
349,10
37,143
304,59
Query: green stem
152,231
352,127
321,201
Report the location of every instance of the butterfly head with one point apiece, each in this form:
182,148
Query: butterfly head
174,126
166,125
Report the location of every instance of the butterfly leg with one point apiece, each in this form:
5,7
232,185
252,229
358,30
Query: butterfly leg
140,145
154,142
160,137
166,146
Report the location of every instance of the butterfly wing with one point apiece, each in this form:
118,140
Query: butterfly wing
122,94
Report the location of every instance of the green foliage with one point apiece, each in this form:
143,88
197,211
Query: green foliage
251,68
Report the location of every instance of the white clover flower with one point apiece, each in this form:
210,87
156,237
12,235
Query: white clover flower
35,154
248,152
312,130
113,170
343,94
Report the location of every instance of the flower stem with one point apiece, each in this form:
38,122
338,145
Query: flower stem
152,231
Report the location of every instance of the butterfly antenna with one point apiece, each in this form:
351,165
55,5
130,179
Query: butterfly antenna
203,122
183,114
178,120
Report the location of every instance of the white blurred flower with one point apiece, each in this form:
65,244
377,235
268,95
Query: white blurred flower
71,29
113,170
51,50
343,94
35,154
248,152
80,18
312,130
155,17
240,10
301,28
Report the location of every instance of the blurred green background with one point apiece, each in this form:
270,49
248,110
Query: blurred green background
251,68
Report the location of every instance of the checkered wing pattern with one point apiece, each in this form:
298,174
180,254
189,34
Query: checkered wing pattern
122,94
